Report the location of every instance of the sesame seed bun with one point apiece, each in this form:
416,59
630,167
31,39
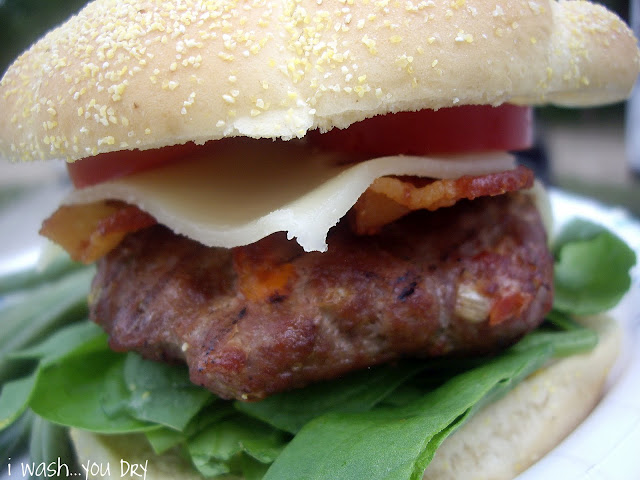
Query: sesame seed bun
142,74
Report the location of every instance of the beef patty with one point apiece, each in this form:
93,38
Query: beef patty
256,320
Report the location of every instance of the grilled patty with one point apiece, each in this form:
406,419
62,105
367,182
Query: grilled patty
268,317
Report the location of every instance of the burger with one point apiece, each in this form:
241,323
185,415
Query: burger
281,195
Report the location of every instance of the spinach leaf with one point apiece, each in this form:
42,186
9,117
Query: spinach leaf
357,392
75,339
33,314
591,272
14,398
165,438
162,393
70,393
153,392
251,468
218,449
398,443
564,343
575,231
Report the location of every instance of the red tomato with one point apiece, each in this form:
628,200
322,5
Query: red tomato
449,130
107,166
469,128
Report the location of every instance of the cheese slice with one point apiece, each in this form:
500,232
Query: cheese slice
238,194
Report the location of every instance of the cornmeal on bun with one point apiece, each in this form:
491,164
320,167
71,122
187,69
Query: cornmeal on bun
138,75
282,193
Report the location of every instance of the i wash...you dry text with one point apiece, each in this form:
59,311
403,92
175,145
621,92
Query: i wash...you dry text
59,469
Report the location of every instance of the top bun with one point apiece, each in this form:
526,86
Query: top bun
146,74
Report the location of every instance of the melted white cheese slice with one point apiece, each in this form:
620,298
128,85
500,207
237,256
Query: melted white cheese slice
236,195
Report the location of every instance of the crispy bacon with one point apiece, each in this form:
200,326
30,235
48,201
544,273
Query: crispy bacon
390,198
89,232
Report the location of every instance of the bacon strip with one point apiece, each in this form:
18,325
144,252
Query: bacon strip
390,198
90,231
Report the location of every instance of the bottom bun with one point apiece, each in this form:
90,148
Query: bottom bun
510,435
499,442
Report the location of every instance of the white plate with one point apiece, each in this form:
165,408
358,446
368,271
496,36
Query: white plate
605,446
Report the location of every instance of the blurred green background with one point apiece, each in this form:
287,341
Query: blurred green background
24,21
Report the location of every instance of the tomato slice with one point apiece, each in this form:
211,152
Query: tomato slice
107,166
464,129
